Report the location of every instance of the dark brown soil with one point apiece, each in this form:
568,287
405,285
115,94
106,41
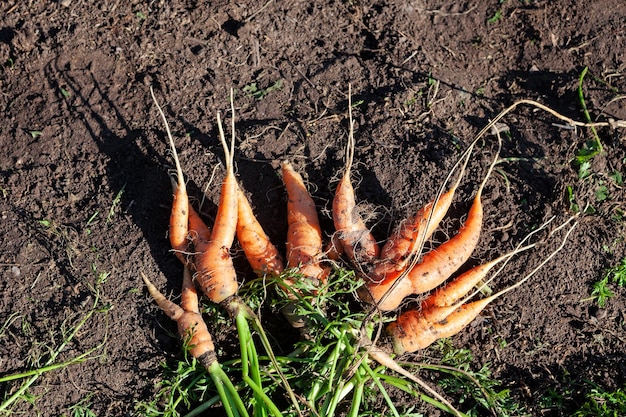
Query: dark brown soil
79,128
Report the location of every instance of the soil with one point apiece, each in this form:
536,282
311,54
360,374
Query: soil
84,167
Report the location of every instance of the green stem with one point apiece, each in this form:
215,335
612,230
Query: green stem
229,392
357,397
376,378
256,324
39,371
581,97
258,391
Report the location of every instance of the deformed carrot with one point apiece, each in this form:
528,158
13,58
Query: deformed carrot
357,241
180,204
410,235
456,289
193,330
304,235
191,326
262,255
417,329
199,232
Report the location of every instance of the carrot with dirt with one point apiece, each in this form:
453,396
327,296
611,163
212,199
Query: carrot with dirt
410,235
418,329
193,330
262,255
304,235
304,246
215,272
180,204
440,263
355,239
199,233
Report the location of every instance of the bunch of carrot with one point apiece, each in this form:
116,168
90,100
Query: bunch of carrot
391,273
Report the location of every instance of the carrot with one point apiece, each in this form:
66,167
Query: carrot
193,329
357,241
304,235
409,237
437,265
199,232
216,276
262,255
461,285
191,326
180,204
215,272
412,330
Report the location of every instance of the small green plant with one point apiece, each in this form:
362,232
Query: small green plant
601,403
82,408
617,274
601,291
552,400
184,385
571,199
473,386
496,17
66,93
115,203
592,147
253,90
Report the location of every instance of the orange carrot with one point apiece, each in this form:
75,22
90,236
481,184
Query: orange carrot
455,290
180,204
193,330
357,241
412,330
191,326
199,232
435,267
304,236
262,255
409,237
215,273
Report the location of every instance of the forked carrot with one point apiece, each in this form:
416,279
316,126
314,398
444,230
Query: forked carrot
417,329
356,240
412,330
440,263
304,235
180,204
190,323
217,277
193,329
410,235
262,255
458,288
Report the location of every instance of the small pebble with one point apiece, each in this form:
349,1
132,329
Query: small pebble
15,270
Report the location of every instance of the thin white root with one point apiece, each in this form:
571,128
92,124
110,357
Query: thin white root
387,361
